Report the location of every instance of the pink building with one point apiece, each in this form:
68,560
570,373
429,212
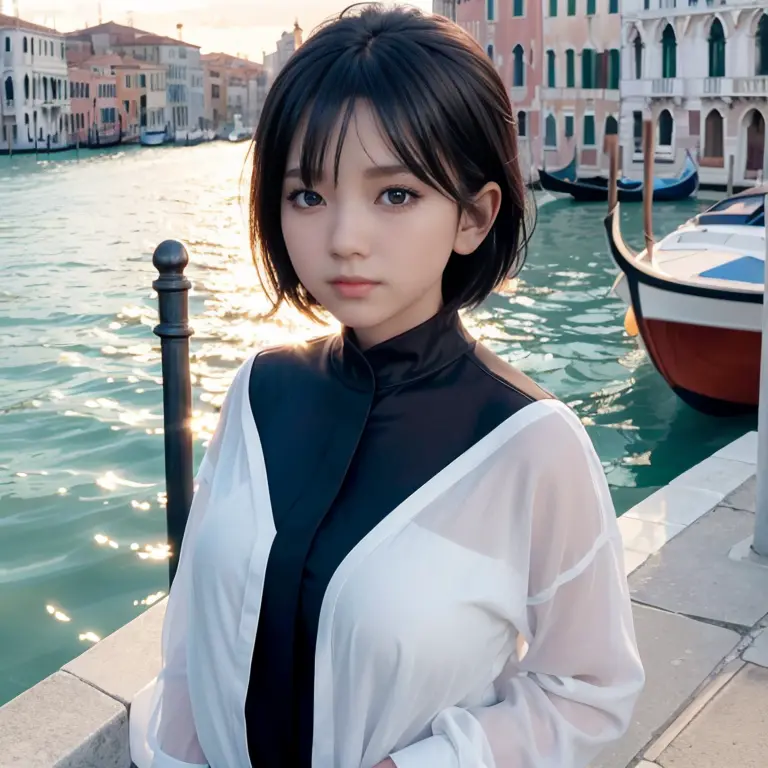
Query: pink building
580,89
511,34
95,117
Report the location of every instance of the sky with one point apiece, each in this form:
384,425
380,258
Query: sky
245,27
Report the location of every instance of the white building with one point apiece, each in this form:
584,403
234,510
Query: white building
700,71
287,45
34,88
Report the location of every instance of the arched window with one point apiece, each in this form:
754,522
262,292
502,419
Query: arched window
588,68
637,50
570,68
668,52
7,43
666,128
761,47
53,87
9,89
713,135
522,127
26,86
551,69
611,126
518,66
45,89
716,49
489,51
25,44
550,131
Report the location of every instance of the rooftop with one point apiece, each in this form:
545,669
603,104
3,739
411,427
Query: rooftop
108,28
11,22
150,39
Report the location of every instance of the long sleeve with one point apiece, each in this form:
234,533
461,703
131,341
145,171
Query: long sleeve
162,728
571,688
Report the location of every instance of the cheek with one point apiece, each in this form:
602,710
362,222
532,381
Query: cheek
301,240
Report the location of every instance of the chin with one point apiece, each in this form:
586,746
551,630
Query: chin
357,315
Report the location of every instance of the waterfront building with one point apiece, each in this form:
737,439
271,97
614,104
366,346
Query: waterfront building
286,46
236,86
34,89
181,61
700,72
581,52
511,35
215,92
141,96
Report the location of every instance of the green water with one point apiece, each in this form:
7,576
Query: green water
81,465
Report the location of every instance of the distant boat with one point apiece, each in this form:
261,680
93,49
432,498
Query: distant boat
240,132
697,302
103,140
154,138
595,188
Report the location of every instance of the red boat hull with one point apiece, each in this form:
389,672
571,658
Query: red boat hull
715,370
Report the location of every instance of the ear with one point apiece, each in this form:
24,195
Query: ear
477,220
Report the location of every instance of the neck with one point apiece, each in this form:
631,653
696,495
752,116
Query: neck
416,314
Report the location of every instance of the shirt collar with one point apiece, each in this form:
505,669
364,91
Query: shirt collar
412,355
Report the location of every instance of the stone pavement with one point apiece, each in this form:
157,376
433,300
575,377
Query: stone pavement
701,616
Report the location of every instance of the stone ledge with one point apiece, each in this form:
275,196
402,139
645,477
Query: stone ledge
64,723
78,717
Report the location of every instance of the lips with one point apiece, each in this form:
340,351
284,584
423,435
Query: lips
353,287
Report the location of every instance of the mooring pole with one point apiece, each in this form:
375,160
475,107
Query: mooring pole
760,540
170,259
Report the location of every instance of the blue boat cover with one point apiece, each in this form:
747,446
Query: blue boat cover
745,269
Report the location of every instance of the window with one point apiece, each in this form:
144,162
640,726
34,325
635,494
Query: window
614,68
668,53
142,81
591,7
25,45
589,131
518,8
716,49
62,51
518,66
9,89
587,68
26,86
127,107
637,50
490,10
7,43
127,81
522,127
553,9
613,6
637,130
713,135
550,131
666,129
611,126
570,68
569,127
489,51
551,69
761,47
571,10
601,69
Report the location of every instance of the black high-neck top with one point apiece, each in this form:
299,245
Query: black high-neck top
361,431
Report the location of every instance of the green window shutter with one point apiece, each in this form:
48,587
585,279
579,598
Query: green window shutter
553,7
570,68
568,126
571,7
589,130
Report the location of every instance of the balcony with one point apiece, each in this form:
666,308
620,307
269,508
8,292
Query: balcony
580,94
654,88
9,105
727,87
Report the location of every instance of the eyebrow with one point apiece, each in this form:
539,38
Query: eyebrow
372,172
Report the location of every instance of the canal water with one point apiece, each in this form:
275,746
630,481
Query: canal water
81,447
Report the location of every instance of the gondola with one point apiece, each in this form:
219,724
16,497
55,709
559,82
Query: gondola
595,188
102,141
697,302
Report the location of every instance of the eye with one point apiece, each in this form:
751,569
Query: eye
398,197
305,198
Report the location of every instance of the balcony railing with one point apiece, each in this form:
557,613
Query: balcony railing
657,87
726,87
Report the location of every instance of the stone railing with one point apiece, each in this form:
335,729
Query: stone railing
78,717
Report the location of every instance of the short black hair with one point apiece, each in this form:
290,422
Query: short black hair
440,104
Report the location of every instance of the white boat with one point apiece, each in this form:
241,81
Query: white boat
153,138
240,132
697,301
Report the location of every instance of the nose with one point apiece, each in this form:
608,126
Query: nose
348,234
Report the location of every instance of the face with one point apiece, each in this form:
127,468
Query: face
373,247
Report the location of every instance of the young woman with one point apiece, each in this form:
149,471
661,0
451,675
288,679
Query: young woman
401,552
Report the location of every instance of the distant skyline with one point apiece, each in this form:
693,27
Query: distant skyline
247,27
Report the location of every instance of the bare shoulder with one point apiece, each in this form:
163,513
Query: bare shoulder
510,375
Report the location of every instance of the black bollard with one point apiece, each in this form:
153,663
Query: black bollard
170,259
